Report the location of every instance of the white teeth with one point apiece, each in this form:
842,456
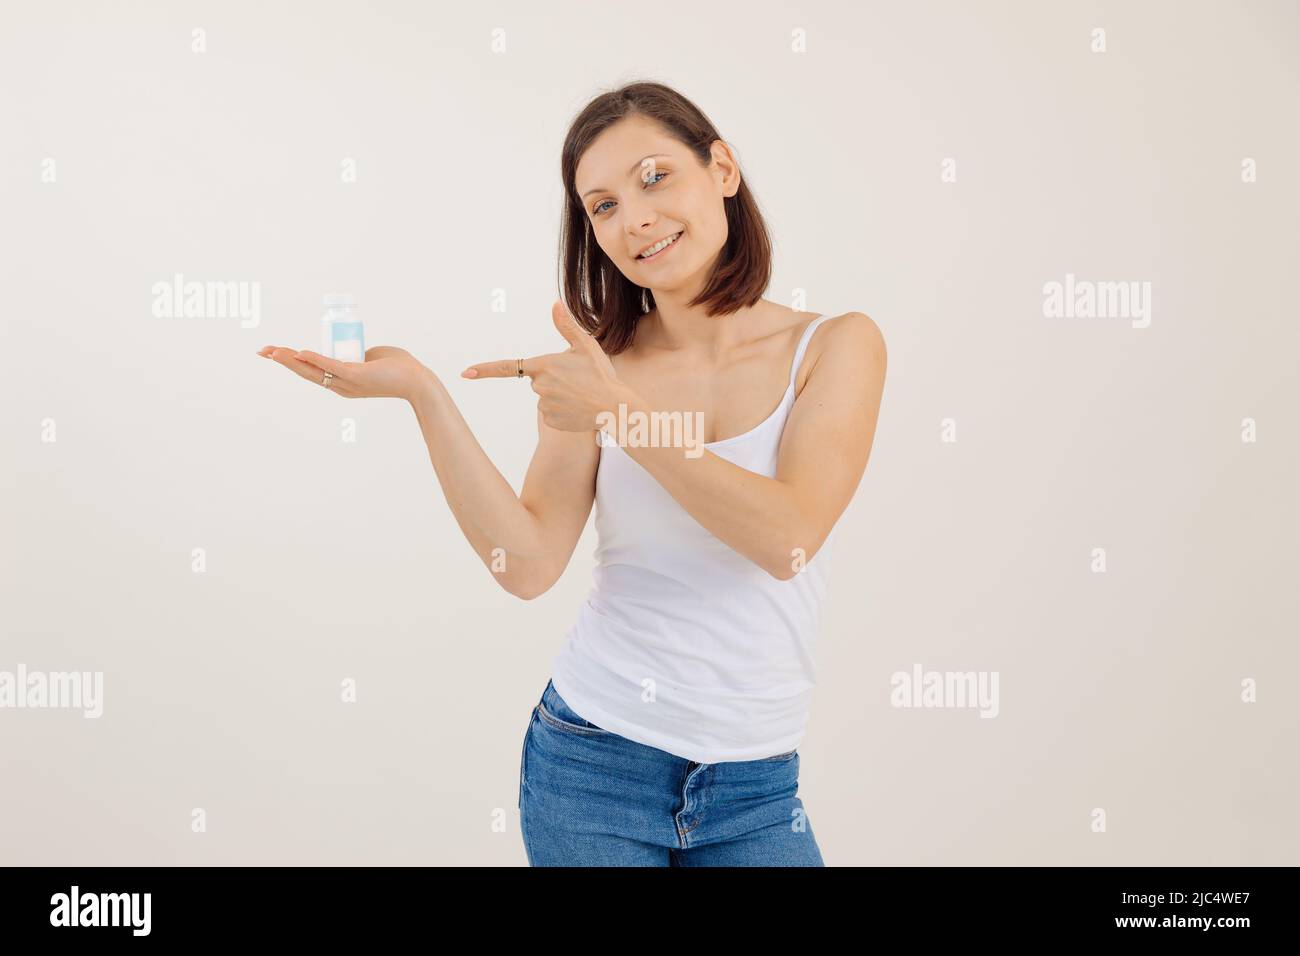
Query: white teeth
657,246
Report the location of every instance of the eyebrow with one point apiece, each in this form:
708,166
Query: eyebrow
634,168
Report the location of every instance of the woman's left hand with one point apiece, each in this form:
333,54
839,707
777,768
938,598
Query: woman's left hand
575,386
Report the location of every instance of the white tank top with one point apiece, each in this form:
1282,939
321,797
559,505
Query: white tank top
683,643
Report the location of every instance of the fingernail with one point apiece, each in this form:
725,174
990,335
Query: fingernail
470,373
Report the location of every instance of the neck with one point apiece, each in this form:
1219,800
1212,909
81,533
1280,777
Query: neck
674,326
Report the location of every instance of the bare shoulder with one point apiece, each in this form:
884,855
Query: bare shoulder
855,330
852,340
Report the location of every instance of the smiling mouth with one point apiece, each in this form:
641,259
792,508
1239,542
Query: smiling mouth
659,248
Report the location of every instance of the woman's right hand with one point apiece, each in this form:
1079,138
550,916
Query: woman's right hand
387,372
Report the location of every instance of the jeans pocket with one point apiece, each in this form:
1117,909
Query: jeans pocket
585,729
557,714
785,756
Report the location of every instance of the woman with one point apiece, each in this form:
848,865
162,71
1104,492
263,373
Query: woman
667,735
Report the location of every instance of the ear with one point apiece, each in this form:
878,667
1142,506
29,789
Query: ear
728,168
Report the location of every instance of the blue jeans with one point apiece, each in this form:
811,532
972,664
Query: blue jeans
590,797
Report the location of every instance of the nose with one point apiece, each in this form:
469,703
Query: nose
640,220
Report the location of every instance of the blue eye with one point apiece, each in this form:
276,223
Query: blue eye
655,182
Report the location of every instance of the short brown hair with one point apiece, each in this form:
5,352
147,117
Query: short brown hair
603,300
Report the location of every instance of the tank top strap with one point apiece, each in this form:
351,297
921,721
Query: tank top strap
803,345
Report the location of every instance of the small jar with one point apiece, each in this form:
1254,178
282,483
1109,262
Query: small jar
342,336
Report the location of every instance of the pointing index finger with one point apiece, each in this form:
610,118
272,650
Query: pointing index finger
504,368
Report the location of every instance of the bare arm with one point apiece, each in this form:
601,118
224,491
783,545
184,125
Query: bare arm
536,530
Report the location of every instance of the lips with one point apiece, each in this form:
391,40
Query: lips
675,237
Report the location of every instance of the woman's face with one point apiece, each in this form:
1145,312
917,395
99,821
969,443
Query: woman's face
640,186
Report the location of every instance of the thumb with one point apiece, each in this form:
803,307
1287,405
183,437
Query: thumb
568,326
